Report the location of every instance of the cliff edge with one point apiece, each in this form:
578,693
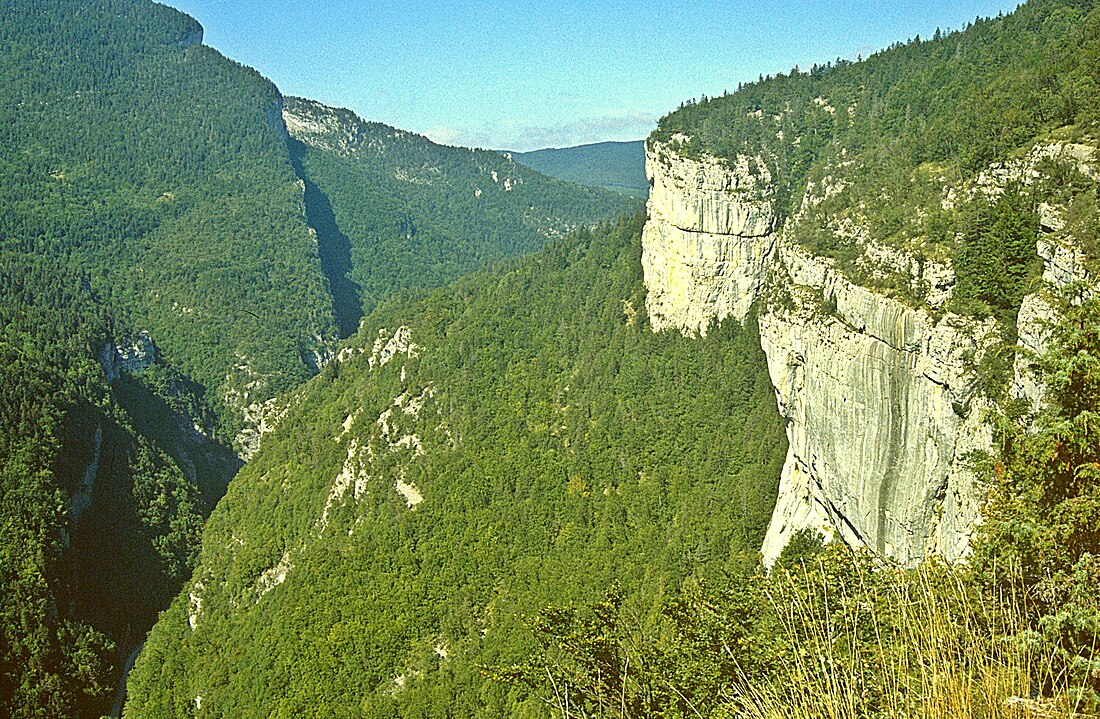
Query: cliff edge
881,394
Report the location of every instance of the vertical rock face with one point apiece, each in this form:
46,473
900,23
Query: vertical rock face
192,36
82,497
1062,266
131,355
708,240
879,396
881,411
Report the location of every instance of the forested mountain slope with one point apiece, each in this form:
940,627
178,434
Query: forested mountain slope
916,236
399,211
521,438
618,166
159,169
149,218
159,280
516,438
891,134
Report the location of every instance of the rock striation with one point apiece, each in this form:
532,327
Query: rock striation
709,239
880,396
881,408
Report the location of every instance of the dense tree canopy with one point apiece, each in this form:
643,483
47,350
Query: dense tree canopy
559,443
398,211
147,185
506,441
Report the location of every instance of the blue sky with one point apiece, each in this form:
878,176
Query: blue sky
523,75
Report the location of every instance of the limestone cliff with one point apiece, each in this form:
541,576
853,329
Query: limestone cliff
880,394
131,355
879,401
708,241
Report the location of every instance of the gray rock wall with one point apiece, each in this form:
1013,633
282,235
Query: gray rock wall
880,397
708,241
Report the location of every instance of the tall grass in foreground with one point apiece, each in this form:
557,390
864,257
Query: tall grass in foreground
833,633
890,643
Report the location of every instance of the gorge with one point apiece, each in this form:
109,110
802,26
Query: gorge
364,425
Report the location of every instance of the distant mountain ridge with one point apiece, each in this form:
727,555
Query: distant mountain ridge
409,213
618,166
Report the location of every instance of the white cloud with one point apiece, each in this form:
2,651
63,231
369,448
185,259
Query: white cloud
513,136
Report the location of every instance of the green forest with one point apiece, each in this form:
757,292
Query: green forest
495,491
401,212
148,189
155,167
836,632
143,188
964,98
618,166
561,445
542,535
893,133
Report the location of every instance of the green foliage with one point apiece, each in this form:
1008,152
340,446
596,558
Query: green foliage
157,168
996,259
141,186
405,213
832,632
564,445
900,136
967,97
560,445
583,665
618,166
67,614
1041,527
837,634
804,546
146,183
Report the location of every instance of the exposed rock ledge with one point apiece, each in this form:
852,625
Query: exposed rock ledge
879,397
708,241
881,410
129,355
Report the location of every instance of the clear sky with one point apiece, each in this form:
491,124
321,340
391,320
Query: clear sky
528,74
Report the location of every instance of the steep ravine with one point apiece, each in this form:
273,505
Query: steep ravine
333,247
120,575
880,397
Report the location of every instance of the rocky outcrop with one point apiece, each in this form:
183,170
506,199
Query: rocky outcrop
131,355
708,241
880,406
338,130
191,36
1063,266
260,419
880,395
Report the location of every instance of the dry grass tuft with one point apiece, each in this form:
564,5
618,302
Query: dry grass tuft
886,643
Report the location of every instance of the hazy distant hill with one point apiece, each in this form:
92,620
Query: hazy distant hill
618,166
